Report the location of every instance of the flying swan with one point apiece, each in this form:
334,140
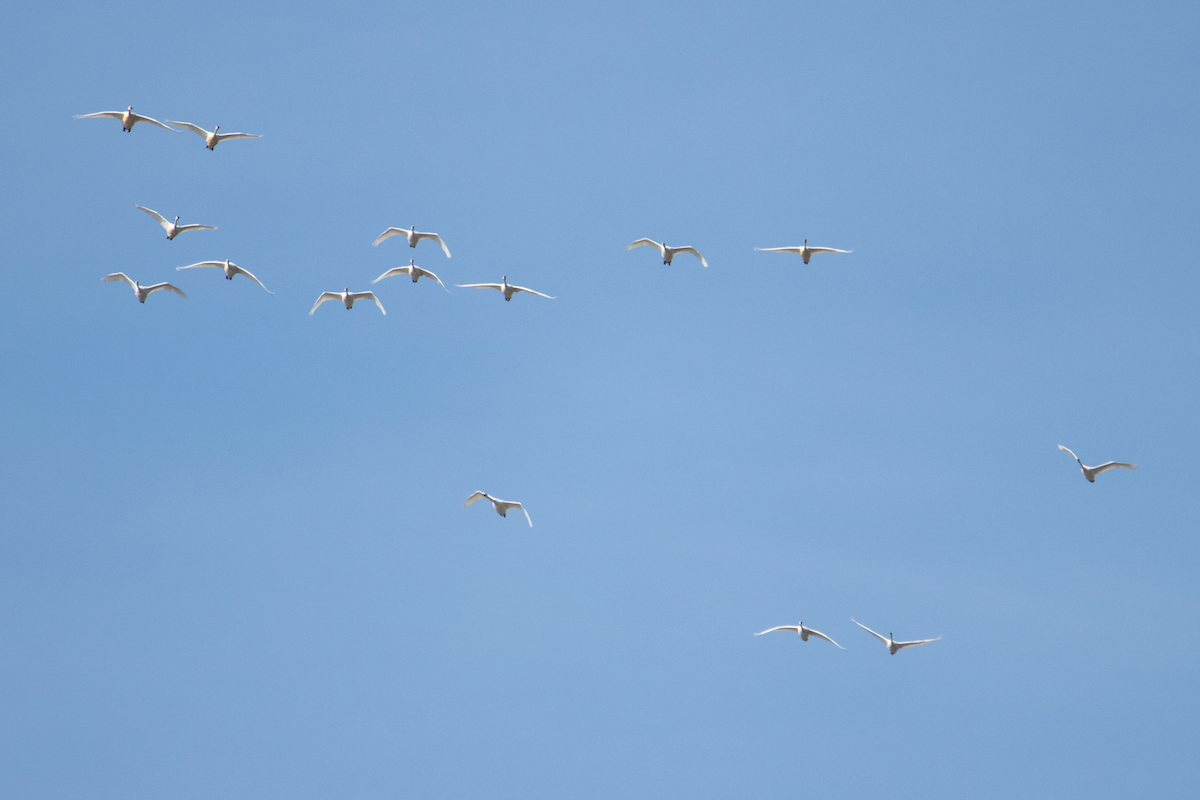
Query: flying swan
803,631
505,288
142,292
502,506
173,229
413,236
1091,472
892,645
347,297
413,270
804,252
231,269
214,137
128,119
668,253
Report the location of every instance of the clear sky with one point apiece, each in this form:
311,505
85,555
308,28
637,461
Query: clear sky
234,560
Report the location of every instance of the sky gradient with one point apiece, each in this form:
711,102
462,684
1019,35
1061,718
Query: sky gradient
233,555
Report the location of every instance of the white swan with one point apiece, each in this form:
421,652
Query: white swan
803,631
347,297
142,292
173,229
892,645
230,268
413,270
502,506
128,119
668,253
804,252
413,236
505,288
1091,472
214,137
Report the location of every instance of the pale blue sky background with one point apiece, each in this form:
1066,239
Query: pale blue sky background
234,561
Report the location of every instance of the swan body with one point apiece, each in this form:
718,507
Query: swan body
668,253
804,252
214,137
127,117
347,297
230,268
142,292
803,631
173,229
505,288
413,236
413,271
892,645
1091,472
502,506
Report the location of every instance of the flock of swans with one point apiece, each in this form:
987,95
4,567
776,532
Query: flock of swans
348,298
892,645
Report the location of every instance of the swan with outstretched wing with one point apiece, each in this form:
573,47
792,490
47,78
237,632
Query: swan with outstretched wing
803,631
892,645
502,506
668,253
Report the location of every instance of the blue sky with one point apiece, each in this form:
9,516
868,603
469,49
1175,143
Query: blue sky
233,557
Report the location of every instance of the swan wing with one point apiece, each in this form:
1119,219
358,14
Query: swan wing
902,645
161,220
644,243
1112,465
527,519
883,639
186,228
325,296
390,232
474,497
395,271
530,291
246,272
119,276
109,114
437,239
356,296
422,273
223,136
495,286
792,628
217,264
196,129
693,251
1068,450
796,250
152,121
820,635
827,250
161,287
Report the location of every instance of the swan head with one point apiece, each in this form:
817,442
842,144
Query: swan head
176,219
130,108
216,129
